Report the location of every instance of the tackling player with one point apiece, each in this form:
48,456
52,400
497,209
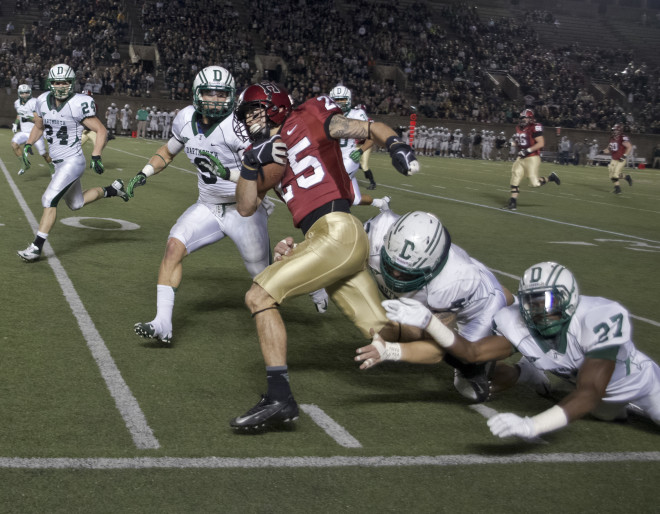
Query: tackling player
61,114
412,256
584,340
25,106
530,141
619,147
316,189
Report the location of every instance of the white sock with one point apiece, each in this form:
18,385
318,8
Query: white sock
165,304
42,235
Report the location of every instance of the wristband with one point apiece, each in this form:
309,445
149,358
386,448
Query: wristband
550,420
444,336
148,170
249,173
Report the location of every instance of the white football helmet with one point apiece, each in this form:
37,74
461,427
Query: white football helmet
24,92
57,75
414,251
548,295
214,78
342,97
127,106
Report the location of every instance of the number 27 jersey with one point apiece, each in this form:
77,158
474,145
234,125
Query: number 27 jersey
63,125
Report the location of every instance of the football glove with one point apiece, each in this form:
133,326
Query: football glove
523,153
265,152
508,425
356,154
403,157
216,168
408,312
96,164
622,158
138,180
27,151
14,127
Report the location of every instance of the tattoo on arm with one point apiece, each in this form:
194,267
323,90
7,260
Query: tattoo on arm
341,127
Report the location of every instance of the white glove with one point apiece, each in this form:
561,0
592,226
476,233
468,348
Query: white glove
508,424
14,128
408,312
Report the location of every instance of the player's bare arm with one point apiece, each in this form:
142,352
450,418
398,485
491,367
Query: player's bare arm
592,380
95,125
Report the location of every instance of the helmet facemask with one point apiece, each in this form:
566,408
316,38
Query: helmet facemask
219,108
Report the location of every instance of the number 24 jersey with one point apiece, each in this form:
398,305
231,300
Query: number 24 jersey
63,125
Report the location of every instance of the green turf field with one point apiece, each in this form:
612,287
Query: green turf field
96,419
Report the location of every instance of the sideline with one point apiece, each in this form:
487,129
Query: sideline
128,407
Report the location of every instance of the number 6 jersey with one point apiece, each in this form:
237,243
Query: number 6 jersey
63,125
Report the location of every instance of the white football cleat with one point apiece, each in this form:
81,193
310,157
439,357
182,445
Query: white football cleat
30,254
150,331
320,299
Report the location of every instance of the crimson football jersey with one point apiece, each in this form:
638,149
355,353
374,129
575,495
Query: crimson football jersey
527,136
616,146
314,173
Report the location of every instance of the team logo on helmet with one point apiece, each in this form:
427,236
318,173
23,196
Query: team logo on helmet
415,250
214,78
548,295
60,81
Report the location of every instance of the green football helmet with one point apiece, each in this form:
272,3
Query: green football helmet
214,78
548,295
414,251
57,75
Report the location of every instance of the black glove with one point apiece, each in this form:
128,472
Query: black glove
97,164
522,154
622,158
264,152
403,157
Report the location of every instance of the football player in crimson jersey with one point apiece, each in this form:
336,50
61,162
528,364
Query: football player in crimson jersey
584,340
529,134
619,147
316,189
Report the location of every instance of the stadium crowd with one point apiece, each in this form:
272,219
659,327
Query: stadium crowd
322,44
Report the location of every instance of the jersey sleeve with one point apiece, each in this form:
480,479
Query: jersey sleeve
178,124
606,327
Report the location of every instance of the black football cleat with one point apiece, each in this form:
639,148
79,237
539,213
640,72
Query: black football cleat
266,414
473,381
628,179
512,205
617,190
553,177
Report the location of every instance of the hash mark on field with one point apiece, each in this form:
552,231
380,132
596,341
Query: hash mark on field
488,412
128,407
330,426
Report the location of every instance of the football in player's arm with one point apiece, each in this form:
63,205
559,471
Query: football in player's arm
584,340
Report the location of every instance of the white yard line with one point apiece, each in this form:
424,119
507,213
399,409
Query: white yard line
126,403
330,426
322,462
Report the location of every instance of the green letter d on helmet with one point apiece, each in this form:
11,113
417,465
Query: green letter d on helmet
60,81
214,78
548,295
414,251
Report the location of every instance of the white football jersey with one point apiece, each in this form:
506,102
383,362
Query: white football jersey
111,113
349,145
464,286
598,325
25,111
221,142
63,125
